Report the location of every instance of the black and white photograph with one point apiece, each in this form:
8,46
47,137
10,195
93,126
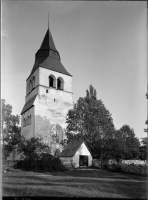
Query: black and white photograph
74,99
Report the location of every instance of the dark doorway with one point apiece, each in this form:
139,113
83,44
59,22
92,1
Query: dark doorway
83,161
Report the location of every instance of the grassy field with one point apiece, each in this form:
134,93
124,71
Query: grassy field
77,183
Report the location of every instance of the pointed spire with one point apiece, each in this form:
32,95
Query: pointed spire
48,27
48,42
48,20
47,56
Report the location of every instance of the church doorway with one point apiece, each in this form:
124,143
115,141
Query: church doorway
83,161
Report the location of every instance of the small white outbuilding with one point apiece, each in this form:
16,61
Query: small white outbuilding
78,153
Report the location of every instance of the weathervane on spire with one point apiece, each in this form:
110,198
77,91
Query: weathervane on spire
48,20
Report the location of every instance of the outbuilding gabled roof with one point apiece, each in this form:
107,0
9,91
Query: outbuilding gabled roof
71,149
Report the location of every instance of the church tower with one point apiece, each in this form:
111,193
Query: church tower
48,95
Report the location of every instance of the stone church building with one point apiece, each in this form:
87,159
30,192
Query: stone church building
48,96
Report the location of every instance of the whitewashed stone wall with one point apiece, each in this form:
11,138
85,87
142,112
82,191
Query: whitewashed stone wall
50,106
44,78
28,131
75,159
84,152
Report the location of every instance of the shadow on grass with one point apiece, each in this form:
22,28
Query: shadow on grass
97,180
32,192
99,174
87,174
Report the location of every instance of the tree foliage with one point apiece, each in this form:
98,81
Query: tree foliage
37,156
127,144
143,150
10,128
91,121
33,148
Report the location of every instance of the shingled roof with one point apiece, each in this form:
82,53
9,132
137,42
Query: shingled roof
48,42
29,104
44,59
51,64
71,149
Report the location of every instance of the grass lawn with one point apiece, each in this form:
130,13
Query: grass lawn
77,183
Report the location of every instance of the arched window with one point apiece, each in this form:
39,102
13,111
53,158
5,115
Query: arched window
34,82
30,86
54,134
60,84
52,81
24,122
28,118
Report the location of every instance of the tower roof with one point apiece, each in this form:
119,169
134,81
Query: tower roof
48,42
44,57
51,64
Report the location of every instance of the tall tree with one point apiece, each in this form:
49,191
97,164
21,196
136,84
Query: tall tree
91,121
10,128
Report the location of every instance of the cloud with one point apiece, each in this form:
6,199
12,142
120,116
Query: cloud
5,33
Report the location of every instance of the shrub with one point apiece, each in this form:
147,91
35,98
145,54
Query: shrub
47,163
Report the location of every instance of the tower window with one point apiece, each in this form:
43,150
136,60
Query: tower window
30,86
52,81
24,122
46,91
60,84
34,82
27,120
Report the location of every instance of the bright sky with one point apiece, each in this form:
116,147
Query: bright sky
103,43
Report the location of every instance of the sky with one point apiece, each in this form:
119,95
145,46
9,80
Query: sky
103,43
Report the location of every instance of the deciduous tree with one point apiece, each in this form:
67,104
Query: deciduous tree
11,131
128,144
91,121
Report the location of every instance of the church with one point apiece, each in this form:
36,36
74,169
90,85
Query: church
48,96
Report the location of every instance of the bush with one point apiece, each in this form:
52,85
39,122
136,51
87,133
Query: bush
114,167
47,163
